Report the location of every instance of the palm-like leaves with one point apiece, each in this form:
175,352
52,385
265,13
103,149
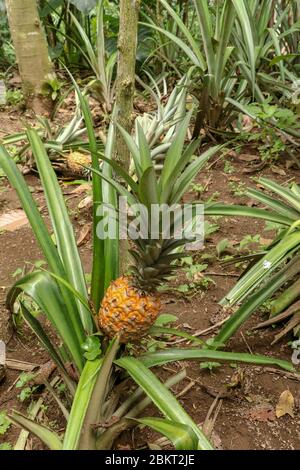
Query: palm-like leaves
61,295
271,271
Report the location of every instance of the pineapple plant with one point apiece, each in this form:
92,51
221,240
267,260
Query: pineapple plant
73,164
131,303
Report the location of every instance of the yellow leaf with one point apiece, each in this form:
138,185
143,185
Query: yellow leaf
285,405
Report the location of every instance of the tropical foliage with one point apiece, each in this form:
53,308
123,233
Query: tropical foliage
205,69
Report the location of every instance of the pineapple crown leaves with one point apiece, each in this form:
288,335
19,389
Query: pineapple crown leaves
155,257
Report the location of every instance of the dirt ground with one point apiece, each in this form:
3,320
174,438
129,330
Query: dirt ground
247,396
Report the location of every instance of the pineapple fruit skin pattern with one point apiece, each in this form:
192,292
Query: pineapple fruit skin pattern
127,311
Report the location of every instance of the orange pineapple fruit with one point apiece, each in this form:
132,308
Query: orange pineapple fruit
127,311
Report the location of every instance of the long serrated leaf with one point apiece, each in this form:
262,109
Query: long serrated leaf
188,175
245,21
172,159
47,344
40,230
148,188
255,301
48,437
80,404
161,397
62,226
181,44
264,267
285,193
273,203
244,211
189,36
98,267
110,196
181,435
45,292
176,354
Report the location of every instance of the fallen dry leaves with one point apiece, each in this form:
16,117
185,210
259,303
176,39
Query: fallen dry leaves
285,405
13,220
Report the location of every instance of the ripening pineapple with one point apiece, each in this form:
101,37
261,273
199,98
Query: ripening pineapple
127,310
131,303
74,162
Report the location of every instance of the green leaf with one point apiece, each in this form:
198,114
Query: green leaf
4,423
162,397
186,32
160,330
92,348
40,231
145,154
165,319
98,267
48,437
173,355
186,178
148,189
272,285
110,196
262,269
172,160
45,292
247,29
188,50
47,344
222,246
181,435
236,211
94,410
80,404
134,150
62,226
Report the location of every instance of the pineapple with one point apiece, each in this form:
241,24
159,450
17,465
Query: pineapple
127,310
131,303
72,164
75,163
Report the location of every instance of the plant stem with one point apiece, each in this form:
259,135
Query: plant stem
125,87
286,298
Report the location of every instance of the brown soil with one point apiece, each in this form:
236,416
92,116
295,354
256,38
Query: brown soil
246,419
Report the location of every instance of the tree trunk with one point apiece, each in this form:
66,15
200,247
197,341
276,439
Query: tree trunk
31,51
125,87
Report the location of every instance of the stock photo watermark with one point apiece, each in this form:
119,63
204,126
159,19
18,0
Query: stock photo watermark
296,353
157,222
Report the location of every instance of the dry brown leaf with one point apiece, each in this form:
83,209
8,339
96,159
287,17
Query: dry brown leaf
252,203
285,405
247,157
278,170
236,379
81,189
84,234
44,372
264,412
265,241
254,168
86,202
13,220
